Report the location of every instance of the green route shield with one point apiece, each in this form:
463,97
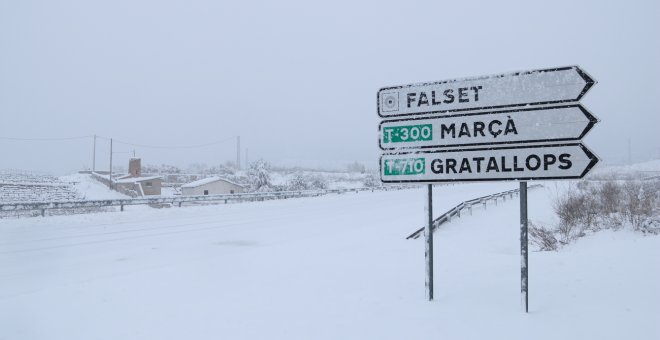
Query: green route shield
408,133
404,166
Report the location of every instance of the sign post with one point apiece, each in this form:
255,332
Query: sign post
524,282
519,126
428,254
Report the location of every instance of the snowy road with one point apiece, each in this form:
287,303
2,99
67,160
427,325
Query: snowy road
334,267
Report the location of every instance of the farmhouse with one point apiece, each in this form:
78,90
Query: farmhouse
142,186
135,185
211,186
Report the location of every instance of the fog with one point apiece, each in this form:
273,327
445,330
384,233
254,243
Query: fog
176,81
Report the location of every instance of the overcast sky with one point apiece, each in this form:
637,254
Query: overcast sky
296,80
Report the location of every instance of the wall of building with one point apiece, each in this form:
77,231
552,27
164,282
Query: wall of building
130,189
154,189
215,188
133,189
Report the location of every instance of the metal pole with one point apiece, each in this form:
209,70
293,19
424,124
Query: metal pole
94,155
429,244
238,152
524,282
110,174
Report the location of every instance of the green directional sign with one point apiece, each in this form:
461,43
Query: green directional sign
519,162
539,124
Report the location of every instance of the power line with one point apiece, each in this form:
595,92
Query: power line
119,141
169,146
45,139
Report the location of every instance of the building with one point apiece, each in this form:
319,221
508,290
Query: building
135,185
135,167
142,186
211,186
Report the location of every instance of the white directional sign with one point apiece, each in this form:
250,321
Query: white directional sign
559,123
538,87
560,161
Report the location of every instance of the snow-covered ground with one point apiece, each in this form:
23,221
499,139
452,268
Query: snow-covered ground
25,186
91,189
334,180
641,170
20,186
332,267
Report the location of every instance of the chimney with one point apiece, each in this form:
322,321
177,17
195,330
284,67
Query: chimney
134,167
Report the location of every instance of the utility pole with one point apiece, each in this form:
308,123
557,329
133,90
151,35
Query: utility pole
238,152
247,164
110,174
629,152
94,156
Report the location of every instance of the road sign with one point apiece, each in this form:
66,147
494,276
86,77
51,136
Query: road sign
537,87
559,123
537,162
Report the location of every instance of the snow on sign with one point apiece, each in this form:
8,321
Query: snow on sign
539,162
537,87
558,123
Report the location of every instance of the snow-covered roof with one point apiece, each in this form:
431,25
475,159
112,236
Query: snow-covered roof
208,180
137,179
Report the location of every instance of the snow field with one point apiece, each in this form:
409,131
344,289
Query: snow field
332,267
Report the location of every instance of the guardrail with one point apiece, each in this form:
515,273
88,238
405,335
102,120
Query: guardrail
242,197
456,211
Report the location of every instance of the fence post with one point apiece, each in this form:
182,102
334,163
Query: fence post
43,212
122,207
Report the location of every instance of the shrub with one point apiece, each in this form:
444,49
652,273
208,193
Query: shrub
608,204
259,175
543,238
